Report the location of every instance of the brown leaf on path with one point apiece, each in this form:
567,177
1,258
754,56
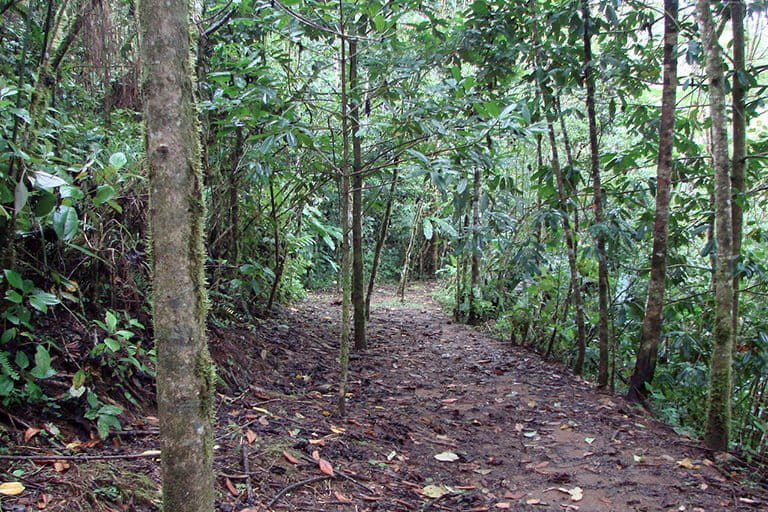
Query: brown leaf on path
42,503
325,467
60,466
11,488
251,436
504,505
30,433
231,488
515,495
290,458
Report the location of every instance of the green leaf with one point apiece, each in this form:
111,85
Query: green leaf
103,194
105,424
111,320
45,204
13,296
427,225
112,344
78,380
118,160
8,335
110,410
65,222
45,180
14,278
20,197
22,361
42,369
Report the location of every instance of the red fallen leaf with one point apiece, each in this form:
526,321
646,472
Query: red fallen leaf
325,467
231,488
43,502
290,458
251,436
341,497
30,433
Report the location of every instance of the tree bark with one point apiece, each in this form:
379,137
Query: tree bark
185,371
597,201
345,271
380,244
570,241
474,274
358,279
717,432
739,157
408,252
645,363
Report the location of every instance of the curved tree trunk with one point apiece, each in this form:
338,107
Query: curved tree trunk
645,363
717,432
185,373
380,244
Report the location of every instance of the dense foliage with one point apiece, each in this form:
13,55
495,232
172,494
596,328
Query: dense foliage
448,126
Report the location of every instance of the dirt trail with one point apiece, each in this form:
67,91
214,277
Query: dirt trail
514,432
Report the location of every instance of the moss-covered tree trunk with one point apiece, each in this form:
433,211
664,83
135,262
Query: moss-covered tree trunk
645,363
717,432
185,374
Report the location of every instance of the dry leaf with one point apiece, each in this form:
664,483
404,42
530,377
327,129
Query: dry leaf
533,501
11,488
325,467
337,430
515,495
518,427
60,466
504,505
290,458
251,436
341,497
43,503
150,453
447,457
231,487
687,464
577,494
30,433
434,491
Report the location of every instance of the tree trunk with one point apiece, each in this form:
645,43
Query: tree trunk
739,121
474,276
345,279
597,201
380,244
185,371
408,252
717,432
277,253
570,241
645,363
358,279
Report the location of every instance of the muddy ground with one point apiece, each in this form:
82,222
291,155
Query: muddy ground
441,417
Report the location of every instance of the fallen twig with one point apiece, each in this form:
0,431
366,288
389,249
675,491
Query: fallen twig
247,471
296,485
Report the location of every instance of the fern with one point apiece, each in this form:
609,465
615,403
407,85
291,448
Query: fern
5,363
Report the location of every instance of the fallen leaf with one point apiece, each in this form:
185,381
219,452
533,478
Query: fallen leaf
43,503
337,430
341,497
434,491
318,442
532,404
638,458
447,457
589,440
231,487
748,501
325,467
30,433
251,436
532,433
504,505
515,495
315,454
11,488
60,466
687,464
518,427
290,458
576,493
150,453
533,501
74,445
483,471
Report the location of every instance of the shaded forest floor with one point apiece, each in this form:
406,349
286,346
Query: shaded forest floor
441,417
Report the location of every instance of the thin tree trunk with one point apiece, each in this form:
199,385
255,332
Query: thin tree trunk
344,215
597,201
380,244
650,335
279,262
717,432
408,251
474,273
185,371
358,279
739,121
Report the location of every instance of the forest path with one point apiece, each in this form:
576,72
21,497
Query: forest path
441,417
515,432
